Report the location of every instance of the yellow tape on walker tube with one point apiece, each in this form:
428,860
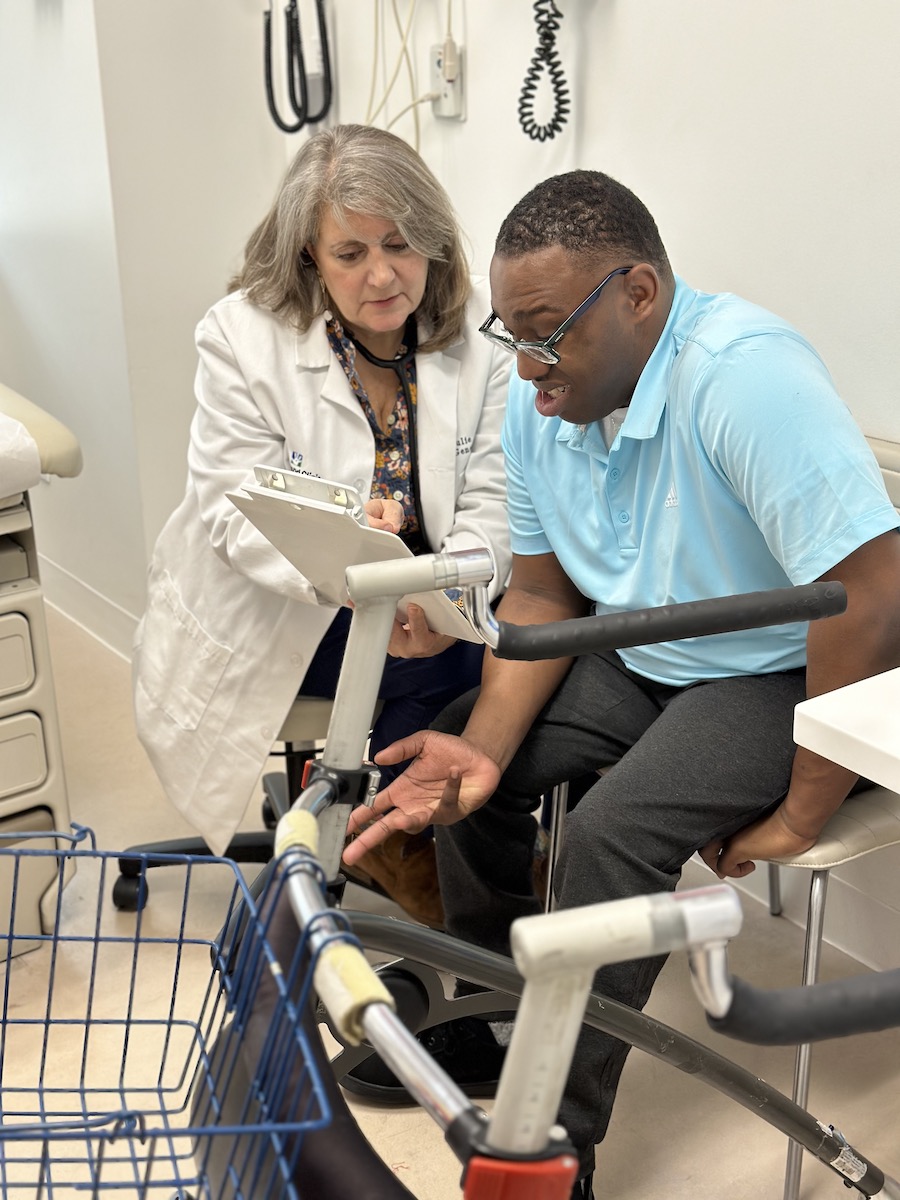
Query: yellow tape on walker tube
297,829
346,985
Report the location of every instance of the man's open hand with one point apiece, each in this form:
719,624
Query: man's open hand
447,779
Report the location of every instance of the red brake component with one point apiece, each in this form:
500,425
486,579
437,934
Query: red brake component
498,1179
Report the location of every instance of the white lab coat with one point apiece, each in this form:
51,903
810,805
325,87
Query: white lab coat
230,626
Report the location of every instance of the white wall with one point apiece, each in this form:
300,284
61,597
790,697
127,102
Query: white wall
136,157
760,134
62,340
136,154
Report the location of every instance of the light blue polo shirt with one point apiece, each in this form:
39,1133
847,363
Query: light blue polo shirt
738,468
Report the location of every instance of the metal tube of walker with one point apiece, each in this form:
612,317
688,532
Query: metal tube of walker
375,589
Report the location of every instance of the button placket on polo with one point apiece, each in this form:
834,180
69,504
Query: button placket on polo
620,500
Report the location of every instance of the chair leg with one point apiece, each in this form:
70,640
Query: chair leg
815,921
558,807
774,890
296,756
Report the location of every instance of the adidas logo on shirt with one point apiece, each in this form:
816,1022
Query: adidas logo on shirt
672,498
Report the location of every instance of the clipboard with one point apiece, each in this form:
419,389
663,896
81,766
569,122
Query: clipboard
313,488
322,539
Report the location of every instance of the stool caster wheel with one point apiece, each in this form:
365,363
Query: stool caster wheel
130,893
269,815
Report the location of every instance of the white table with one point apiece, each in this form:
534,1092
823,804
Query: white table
857,726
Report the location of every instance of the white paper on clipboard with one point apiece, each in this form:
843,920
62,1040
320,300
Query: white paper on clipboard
321,542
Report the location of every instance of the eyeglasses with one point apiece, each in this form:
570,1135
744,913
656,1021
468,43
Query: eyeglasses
544,351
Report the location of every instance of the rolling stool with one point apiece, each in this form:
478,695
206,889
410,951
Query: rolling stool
302,732
866,821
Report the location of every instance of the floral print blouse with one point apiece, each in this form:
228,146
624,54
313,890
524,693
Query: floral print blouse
392,479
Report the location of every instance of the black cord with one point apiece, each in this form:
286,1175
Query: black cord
267,59
296,75
297,81
547,18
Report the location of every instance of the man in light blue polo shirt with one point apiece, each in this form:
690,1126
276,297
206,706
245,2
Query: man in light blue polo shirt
662,445
733,431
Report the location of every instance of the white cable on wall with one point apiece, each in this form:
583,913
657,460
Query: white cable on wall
372,114
410,74
375,42
403,111
403,57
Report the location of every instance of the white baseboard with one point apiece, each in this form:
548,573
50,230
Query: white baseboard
99,616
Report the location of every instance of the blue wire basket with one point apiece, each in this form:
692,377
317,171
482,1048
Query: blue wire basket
125,1060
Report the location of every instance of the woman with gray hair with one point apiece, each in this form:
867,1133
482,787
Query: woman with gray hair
347,349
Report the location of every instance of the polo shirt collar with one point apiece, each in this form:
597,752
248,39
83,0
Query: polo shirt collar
652,389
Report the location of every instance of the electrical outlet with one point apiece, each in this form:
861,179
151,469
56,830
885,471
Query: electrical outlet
450,102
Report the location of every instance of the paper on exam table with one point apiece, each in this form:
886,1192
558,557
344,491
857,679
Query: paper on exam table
20,459
321,543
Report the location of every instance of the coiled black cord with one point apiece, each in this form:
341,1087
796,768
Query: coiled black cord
546,17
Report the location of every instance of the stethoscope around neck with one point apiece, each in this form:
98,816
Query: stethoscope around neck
399,365
401,359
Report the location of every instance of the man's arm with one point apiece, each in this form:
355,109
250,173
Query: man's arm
863,641
450,777
513,693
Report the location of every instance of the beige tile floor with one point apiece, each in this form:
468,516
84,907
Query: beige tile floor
671,1136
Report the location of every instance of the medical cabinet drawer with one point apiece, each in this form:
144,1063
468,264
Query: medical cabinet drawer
25,876
16,654
23,754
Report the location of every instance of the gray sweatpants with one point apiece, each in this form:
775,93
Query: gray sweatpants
691,764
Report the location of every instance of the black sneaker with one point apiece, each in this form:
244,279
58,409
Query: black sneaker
465,1048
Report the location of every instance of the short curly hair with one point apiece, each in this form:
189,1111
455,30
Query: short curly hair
587,213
